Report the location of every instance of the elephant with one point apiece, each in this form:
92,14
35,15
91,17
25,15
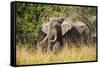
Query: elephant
56,29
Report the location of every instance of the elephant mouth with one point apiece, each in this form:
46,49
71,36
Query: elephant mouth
55,38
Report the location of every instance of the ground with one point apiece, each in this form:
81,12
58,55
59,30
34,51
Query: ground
26,55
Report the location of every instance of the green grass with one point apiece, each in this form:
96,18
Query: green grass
26,55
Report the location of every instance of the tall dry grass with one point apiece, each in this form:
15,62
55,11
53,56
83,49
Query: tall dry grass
26,55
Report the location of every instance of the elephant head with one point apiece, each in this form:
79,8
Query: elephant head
52,28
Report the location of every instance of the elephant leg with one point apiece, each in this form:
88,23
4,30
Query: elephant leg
68,42
76,42
49,47
55,47
65,41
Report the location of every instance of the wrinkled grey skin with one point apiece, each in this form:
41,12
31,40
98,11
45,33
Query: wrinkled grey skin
58,28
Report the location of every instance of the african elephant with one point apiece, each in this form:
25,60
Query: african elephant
57,28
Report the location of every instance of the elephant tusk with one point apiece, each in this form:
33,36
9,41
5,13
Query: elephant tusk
44,39
54,39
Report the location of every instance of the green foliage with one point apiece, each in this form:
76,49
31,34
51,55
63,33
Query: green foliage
29,17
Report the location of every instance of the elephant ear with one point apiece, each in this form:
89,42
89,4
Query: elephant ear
44,27
65,27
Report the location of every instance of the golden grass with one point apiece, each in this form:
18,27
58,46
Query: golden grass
25,55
